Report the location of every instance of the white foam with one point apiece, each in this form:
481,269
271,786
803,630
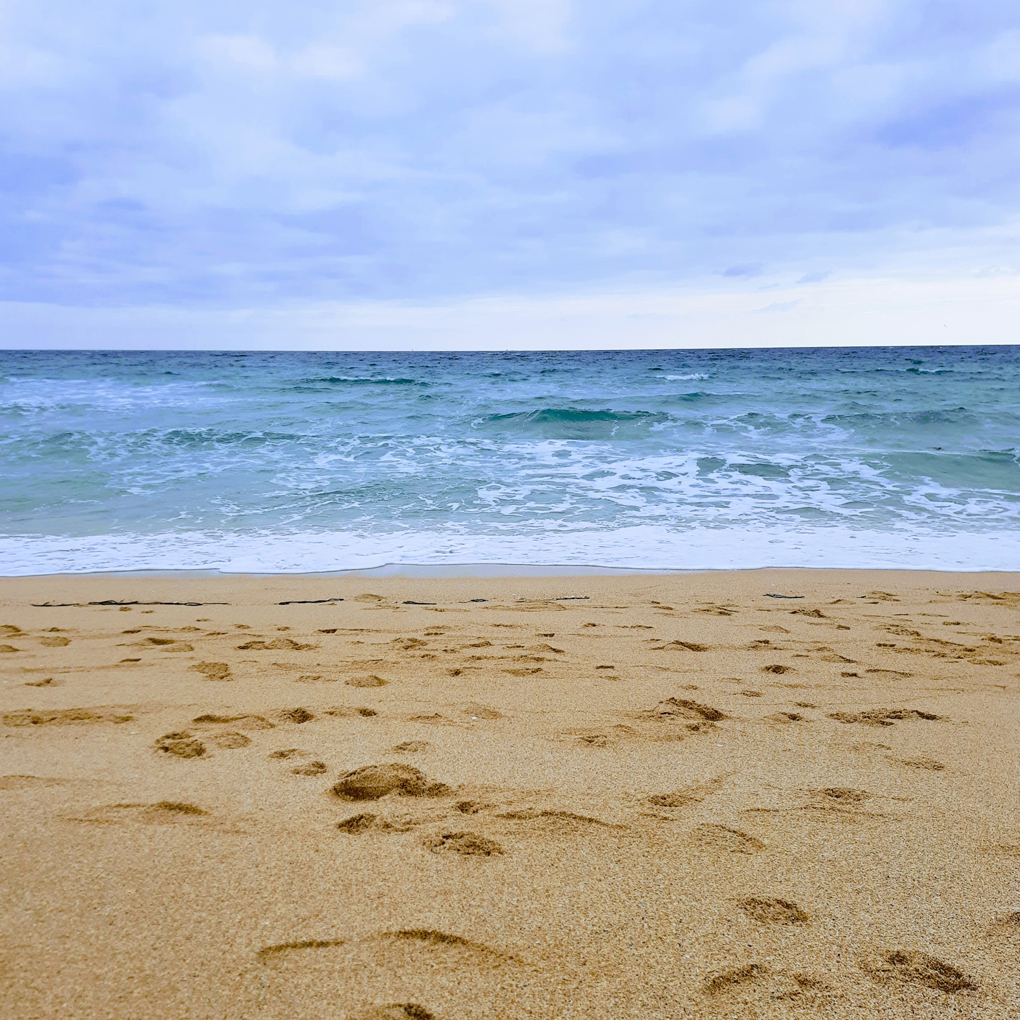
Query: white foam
640,547
100,395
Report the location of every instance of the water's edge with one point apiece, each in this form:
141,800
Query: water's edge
483,570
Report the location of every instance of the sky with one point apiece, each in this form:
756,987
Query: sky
508,172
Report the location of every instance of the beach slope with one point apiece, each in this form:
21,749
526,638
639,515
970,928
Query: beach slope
726,795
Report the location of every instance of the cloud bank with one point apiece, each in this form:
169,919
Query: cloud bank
219,155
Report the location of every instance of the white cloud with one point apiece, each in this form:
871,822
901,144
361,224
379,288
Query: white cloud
225,153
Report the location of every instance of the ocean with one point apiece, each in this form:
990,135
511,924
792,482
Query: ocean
681,460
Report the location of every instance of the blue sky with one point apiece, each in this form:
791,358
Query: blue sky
221,155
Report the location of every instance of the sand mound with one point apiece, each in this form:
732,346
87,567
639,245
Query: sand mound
366,681
374,781
282,644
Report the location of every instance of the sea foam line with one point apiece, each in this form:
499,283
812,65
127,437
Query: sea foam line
645,547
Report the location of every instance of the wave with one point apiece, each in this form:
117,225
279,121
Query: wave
346,380
576,414
587,457
575,423
645,547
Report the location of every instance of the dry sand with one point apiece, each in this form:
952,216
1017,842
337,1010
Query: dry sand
589,797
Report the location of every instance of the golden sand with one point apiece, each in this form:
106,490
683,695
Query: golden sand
588,797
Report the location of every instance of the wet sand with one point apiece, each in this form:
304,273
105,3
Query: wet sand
544,797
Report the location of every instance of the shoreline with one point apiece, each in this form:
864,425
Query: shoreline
481,571
427,589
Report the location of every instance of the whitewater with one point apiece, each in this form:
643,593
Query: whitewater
683,460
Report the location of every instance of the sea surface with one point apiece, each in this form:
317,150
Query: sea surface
658,459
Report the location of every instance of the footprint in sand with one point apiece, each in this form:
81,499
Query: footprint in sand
919,968
677,799
471,807
924,763
345,712
180,744
844,795
276,645
841,804
475,712
723,838
786,717
229,740
605,737
436,947
694,794
558,824
54,641
685,708
759,984
464,844
374,781
30,782
882,716
689,646
164,812
368,822
213,670
366,681
772,911
313,768
692,717
165,644
242,722
394,1011
413,747
66,717
295,715
390,975
1009,924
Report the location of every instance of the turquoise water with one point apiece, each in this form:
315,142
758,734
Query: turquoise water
309,461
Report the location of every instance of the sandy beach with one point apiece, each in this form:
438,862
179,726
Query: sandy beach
719,795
